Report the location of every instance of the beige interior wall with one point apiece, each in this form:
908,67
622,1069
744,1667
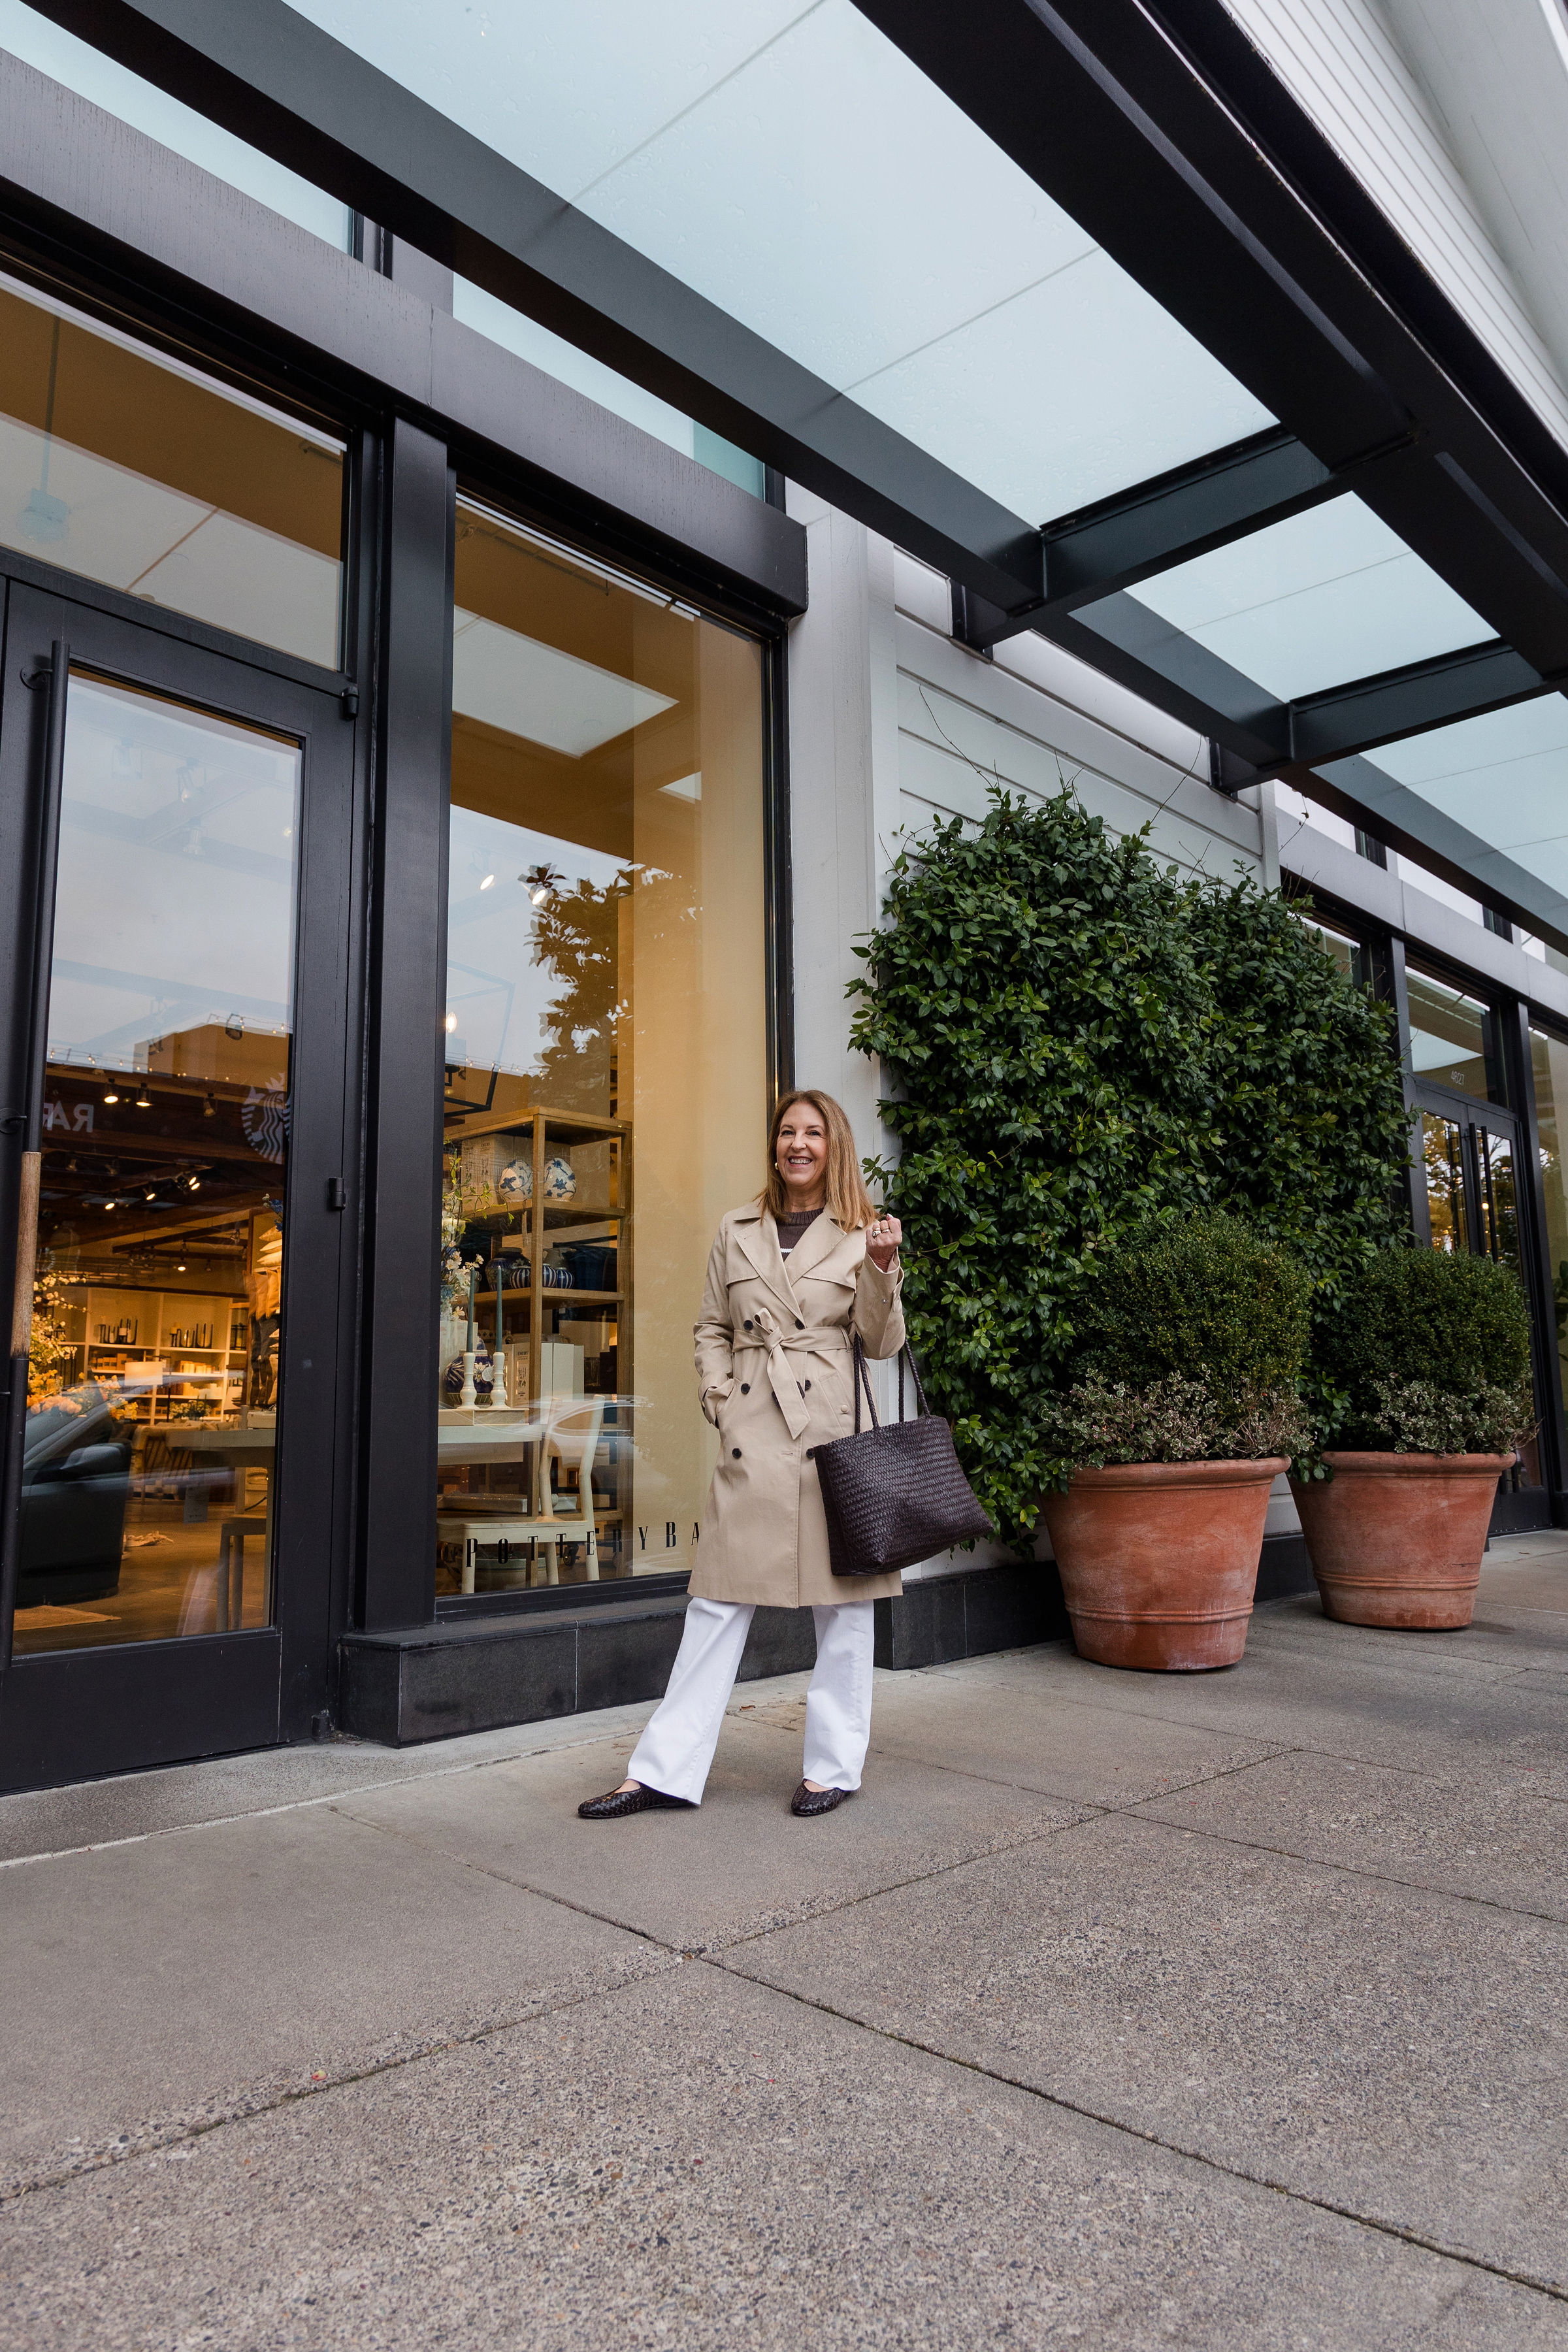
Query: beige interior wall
695,1078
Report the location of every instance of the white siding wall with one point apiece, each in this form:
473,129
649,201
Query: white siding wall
1343,62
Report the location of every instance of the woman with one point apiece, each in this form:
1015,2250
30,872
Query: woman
791,1276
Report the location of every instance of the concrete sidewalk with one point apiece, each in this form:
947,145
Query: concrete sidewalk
1118,2010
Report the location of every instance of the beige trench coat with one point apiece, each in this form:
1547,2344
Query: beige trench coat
773,1374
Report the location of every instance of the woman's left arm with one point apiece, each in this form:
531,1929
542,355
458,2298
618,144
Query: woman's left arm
878,1315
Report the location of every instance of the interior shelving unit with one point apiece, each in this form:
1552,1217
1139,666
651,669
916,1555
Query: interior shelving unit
532,1311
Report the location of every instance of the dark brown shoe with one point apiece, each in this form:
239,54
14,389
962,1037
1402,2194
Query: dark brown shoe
611,1807
806,1802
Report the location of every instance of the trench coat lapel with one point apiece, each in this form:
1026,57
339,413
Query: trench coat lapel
816,1243
759,1242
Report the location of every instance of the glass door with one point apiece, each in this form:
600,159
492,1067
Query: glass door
1472,1155
175,1100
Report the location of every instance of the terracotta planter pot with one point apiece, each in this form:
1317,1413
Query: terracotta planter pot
1398,1539
1159,1560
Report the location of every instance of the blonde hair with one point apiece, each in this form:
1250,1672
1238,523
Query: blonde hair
848,1204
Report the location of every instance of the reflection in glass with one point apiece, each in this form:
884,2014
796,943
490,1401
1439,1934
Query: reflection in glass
153,1385
1549,1063
1453,1038
1347,951
605,1056
131,468
1443,1156
1499,1236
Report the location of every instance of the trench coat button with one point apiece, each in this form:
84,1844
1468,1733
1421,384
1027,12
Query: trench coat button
735,1452
807,1385
811,1452
745,1388
745,1327
798,1323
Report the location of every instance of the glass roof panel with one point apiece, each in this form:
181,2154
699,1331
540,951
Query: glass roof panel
1313,602
1504,777
788,162
52,50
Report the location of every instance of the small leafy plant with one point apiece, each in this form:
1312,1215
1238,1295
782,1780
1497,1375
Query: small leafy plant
1428,1353
1194,1340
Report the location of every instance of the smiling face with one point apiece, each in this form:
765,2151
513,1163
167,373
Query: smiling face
801,1151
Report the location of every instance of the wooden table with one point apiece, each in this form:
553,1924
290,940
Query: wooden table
250,1447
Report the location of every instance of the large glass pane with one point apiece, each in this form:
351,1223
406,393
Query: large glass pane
1549,1064
123,465
38,42
606,1069
1323,597
1443,1157
151,1422
1499,1204
790,163
1498,1237
1453,1038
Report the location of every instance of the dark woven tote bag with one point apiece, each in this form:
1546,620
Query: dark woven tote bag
894,1493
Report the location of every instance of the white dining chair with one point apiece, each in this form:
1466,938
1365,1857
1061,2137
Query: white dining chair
571,1434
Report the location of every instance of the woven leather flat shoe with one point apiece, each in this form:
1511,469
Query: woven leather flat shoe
610,1807
806,1802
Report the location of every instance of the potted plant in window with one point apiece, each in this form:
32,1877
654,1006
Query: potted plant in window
1427,1362
1185,1411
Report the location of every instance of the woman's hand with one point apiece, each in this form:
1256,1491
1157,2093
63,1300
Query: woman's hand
882,1241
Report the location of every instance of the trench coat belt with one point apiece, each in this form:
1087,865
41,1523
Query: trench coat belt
780,1346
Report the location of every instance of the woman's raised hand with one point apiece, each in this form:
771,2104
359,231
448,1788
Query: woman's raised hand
882,1240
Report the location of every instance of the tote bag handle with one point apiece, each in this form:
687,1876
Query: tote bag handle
863,1377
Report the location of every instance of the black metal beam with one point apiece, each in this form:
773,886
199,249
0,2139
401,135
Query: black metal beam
1358,789
1095,100
1132,645
1374,710
279,82
1188,512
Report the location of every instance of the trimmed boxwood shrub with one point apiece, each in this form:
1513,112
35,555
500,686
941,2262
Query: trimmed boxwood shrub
1192,1347
1076,1038
1430,1353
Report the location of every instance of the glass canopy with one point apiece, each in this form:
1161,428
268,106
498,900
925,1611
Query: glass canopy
1323,597
1502,777
789,163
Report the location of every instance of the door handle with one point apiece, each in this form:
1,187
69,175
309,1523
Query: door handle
26,1261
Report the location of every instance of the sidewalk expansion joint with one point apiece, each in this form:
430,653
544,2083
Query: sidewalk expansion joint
1384,2226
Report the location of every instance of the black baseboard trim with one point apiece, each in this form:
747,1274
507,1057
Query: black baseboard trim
416,1682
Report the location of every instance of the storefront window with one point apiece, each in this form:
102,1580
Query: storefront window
1453,1039
151,1433
1549,1063
605,1058
121,463
1346,949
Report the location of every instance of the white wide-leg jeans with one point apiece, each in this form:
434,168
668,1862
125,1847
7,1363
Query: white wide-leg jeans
677,1748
